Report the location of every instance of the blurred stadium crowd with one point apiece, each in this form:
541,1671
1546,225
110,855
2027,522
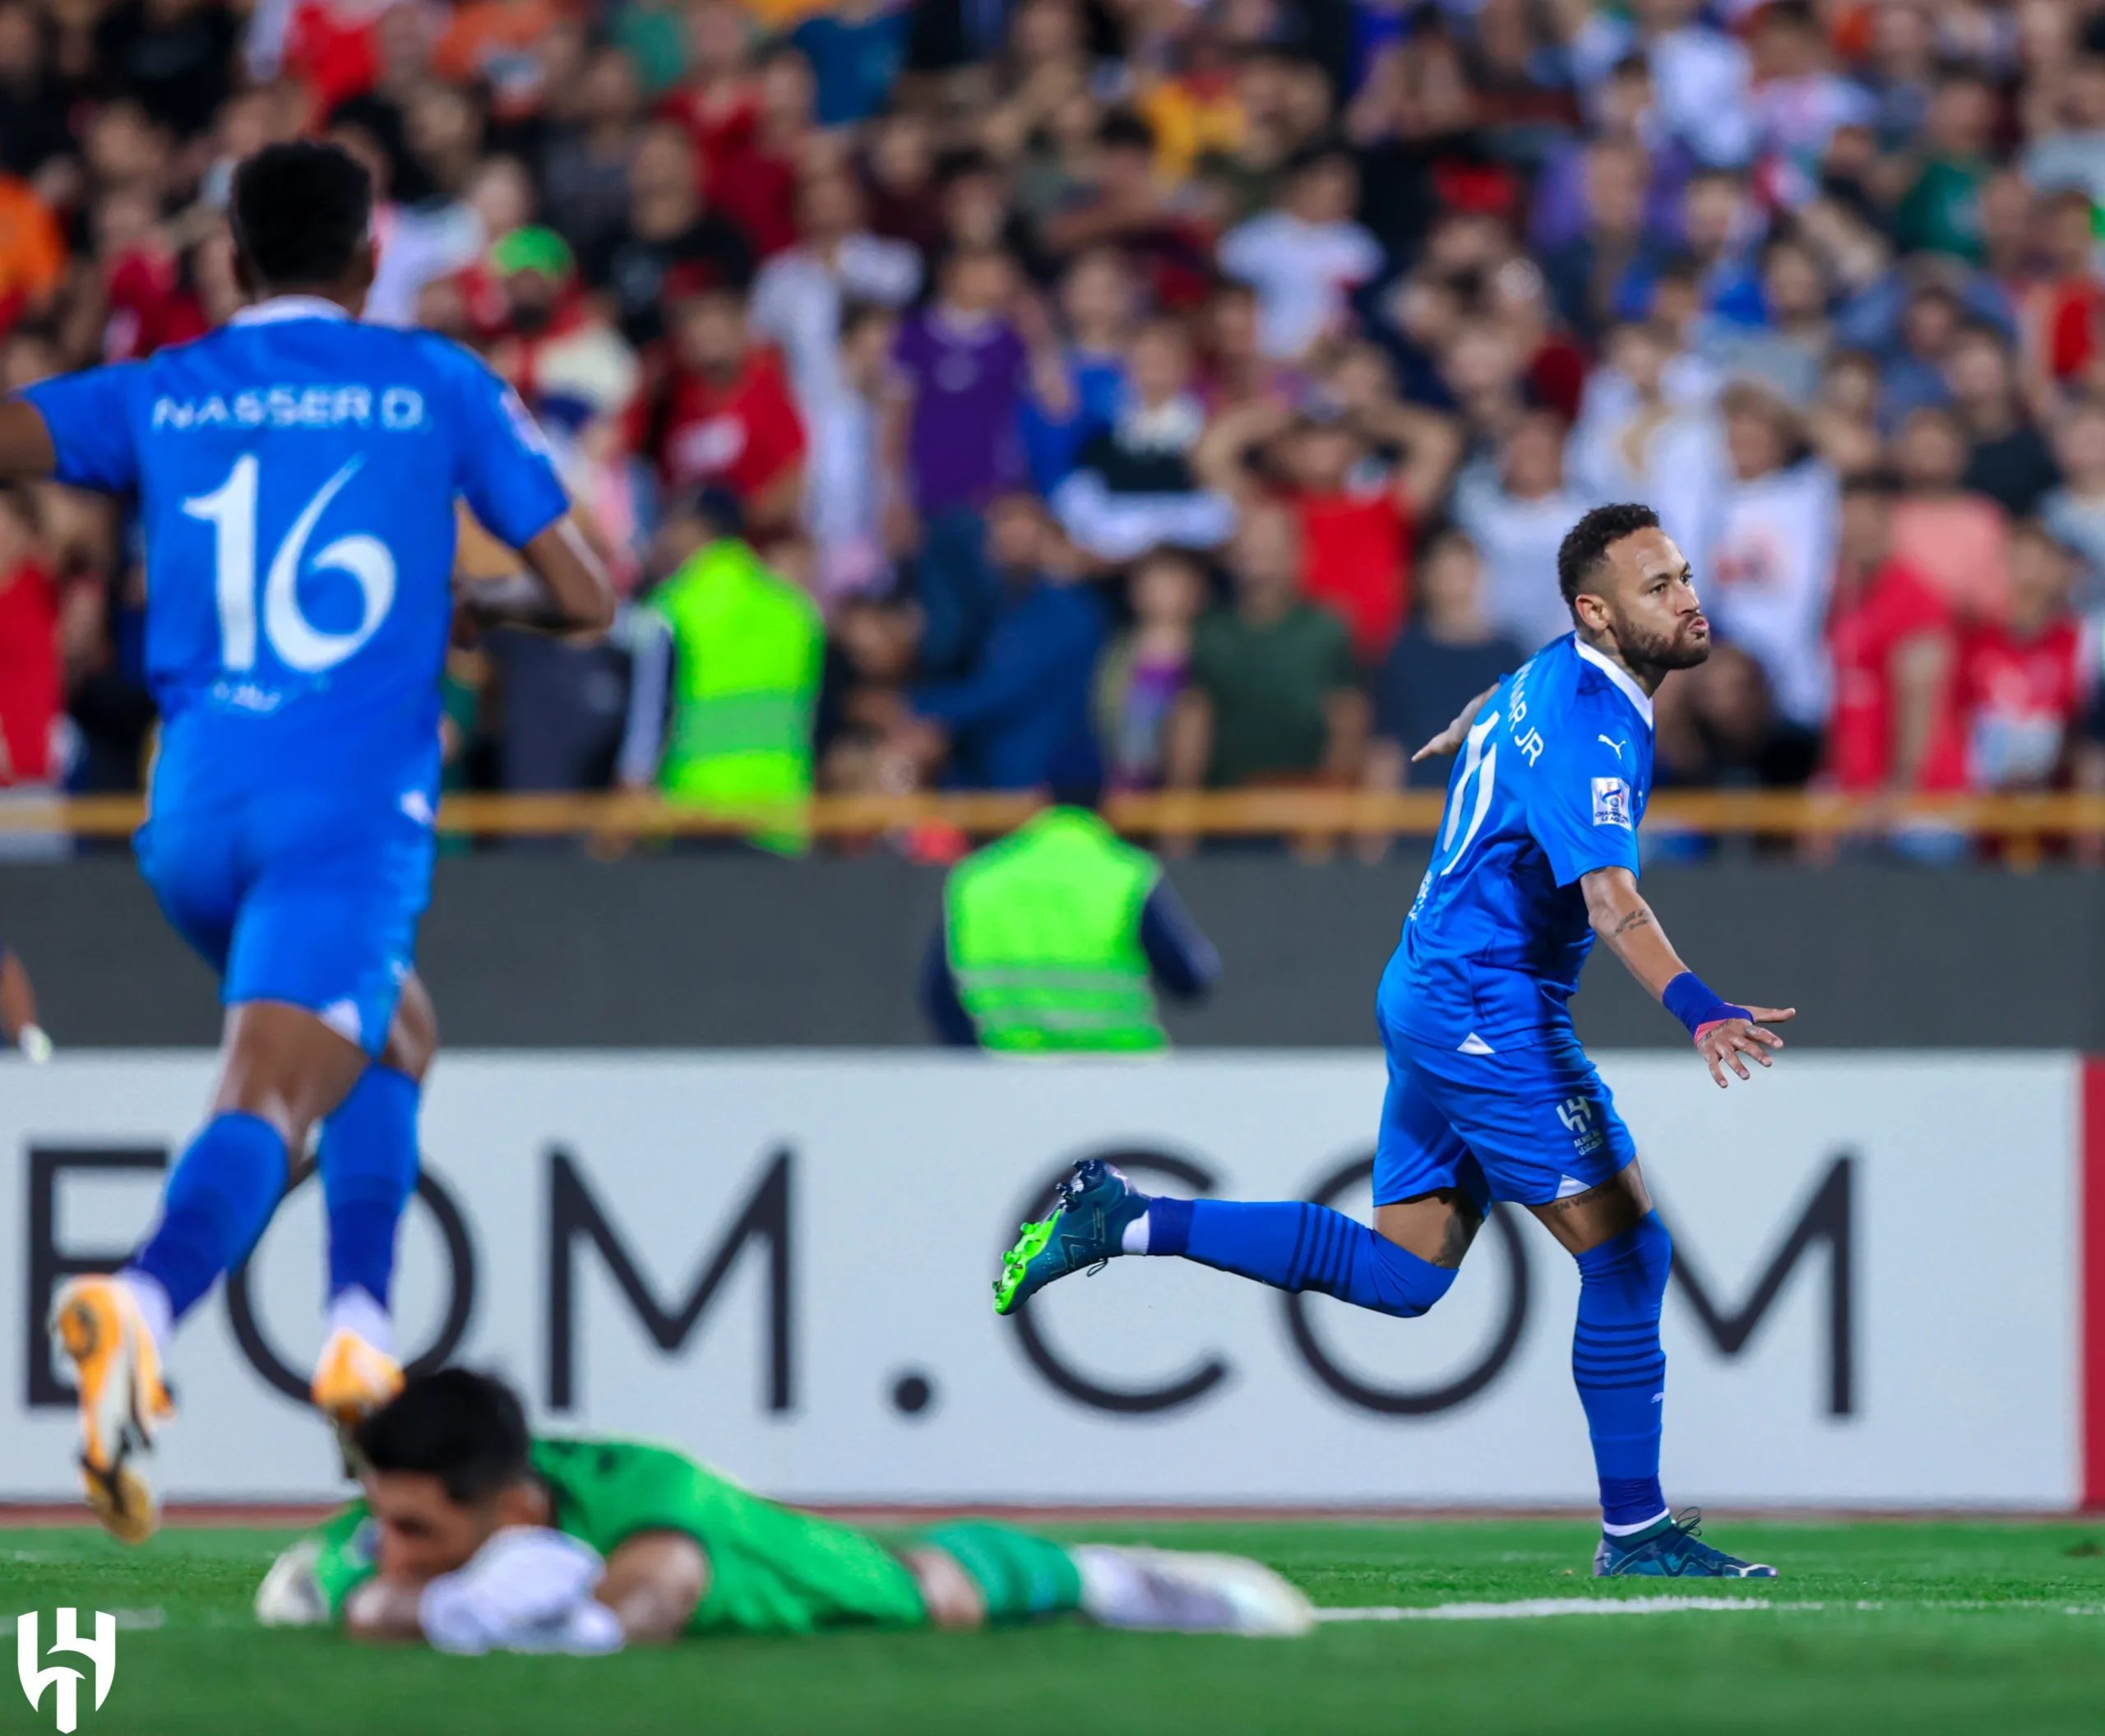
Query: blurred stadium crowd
1195,389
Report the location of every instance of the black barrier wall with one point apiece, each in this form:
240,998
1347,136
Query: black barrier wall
553,950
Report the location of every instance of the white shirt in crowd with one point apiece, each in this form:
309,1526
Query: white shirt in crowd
1304,274
1680,474
1766,581
418,245
845,497
2063,159
1700,82
796,303
1517,540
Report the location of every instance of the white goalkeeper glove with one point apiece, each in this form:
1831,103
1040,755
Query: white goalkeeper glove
291,1595
528,1589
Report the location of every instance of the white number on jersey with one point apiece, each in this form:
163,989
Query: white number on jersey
230,510
1479,763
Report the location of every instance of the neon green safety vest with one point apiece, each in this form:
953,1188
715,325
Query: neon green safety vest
1043,931
747,645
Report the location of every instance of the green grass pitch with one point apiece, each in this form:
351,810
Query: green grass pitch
1920,1627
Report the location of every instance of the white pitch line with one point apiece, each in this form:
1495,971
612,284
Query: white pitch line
1528,1608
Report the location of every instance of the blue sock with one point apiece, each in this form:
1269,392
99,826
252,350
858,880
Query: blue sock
1620,1368
368,1164
1297,1246
223,1189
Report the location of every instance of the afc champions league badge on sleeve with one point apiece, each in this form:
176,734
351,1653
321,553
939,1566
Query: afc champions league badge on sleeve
1611,803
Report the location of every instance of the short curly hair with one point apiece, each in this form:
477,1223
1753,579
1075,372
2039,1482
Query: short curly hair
301,210
1586,544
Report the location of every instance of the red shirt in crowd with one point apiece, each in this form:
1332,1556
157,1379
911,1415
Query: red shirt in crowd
2021,695
1897,606
334,50
32,691
757,192
721,121
741,177
2068,313
150,306
742,435
1357,552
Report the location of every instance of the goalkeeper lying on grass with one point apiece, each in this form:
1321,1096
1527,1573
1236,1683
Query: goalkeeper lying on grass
475,1537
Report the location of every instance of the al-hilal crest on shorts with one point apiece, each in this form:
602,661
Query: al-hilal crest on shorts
62,1679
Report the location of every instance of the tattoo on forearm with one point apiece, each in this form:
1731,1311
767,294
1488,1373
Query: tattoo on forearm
1637,918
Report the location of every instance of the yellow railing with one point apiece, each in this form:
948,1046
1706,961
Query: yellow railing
1212,813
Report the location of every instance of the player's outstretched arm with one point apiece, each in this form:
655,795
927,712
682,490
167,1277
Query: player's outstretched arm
1726,1034
566,588
1450,739
655,1581
27,453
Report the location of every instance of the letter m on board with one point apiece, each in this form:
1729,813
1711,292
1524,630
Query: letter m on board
1829,1221
574,1213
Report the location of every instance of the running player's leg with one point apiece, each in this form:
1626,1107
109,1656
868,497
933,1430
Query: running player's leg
319,951
313,949
284,1068
1426,1214
368,1163
112,1331
1544,1126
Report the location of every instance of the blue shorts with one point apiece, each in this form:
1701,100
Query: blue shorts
1529,1125
301,897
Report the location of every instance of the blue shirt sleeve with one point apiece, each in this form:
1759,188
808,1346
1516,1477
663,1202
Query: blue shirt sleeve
1581,801
506,474
1181,959
89,418
941,1003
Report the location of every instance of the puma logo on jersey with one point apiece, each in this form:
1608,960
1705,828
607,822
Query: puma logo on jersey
1613,744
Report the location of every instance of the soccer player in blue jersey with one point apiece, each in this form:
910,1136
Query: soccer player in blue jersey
296,475
1490,1095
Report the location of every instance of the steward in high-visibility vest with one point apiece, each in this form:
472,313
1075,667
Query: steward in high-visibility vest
747,647
1053,938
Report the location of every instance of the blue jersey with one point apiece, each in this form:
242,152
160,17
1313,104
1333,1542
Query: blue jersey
296,474
1550,784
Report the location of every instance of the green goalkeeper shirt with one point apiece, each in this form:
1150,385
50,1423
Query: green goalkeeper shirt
771,1569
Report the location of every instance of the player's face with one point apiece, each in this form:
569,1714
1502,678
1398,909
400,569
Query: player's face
1649,603
423,1532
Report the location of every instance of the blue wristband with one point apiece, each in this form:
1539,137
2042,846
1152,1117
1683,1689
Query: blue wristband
1690,999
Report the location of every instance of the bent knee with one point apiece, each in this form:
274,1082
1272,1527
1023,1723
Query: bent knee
1643,1253
1437,1228
1406,1284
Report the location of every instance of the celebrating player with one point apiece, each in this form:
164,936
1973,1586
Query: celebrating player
1490,1095
296,475
477,1539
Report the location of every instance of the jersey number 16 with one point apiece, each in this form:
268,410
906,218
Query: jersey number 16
230,510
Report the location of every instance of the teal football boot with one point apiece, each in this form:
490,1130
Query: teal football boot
1672,1548
1091,1211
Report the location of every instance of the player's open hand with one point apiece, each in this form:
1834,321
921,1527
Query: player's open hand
1731,1043
1448,741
